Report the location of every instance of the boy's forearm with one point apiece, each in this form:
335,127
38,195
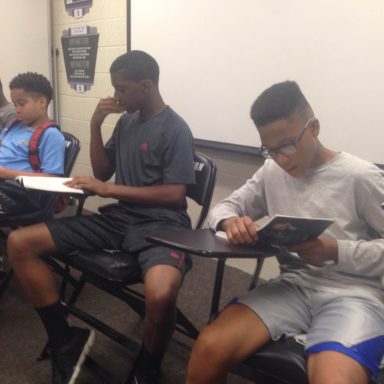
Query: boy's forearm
101,166
163,195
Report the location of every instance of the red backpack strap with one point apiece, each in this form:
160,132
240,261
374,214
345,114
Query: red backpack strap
33,146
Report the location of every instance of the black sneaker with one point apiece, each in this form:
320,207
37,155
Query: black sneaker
152,376
67,361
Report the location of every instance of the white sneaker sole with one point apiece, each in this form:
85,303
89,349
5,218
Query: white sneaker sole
82,357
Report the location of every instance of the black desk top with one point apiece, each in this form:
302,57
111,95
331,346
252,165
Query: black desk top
203,242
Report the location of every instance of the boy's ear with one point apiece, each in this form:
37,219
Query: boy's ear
43,102
315,127
146,85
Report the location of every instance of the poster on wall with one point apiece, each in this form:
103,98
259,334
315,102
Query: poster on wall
79,45
77,8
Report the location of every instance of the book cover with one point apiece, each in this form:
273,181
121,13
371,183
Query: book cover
284,230
47,183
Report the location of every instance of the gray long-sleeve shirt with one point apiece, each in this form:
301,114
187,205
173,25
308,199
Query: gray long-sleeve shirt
348,190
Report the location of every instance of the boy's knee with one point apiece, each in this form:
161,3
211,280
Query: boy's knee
15,244
21,244
207,347
161,300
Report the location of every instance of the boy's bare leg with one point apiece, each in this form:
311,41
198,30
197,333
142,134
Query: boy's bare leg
162,284
231,338
331,367
69,345
25,247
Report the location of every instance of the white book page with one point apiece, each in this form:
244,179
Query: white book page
48,183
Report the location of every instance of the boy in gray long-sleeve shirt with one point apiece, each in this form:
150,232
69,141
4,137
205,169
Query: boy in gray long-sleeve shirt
329,287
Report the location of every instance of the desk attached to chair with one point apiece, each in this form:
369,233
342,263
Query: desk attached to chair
277,360
203,242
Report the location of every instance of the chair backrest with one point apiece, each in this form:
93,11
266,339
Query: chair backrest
72,148
202,191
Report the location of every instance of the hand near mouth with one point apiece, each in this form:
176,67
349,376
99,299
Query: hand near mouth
105,107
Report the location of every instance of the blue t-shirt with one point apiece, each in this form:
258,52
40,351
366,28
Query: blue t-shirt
14,149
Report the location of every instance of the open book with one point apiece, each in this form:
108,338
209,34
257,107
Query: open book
47,183
284,230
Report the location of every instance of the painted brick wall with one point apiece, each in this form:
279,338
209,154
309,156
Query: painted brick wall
75,109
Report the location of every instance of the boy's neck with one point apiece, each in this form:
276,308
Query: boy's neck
153,106
323,155
40,121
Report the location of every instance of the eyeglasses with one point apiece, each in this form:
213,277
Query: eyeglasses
286,149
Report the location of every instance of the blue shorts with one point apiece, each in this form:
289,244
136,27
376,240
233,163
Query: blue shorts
350,321
368,353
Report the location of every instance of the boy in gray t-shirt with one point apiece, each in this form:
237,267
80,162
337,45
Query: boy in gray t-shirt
151,155
329,287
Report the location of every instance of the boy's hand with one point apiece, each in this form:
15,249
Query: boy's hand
316,251
240,230
104,108
89,184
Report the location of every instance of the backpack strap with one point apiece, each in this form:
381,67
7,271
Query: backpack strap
33,145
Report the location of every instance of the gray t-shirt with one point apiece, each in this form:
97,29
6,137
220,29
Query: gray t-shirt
348,190
154,151
7,114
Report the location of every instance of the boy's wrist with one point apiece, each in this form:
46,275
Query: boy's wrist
223,224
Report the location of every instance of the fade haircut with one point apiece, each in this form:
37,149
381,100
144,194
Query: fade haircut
136,66
34,83
280,101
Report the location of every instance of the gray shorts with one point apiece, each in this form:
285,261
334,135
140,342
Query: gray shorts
344,316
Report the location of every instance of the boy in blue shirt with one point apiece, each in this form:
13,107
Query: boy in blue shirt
31,94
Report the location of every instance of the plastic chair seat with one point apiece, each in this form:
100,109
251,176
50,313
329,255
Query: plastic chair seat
116,267
282,361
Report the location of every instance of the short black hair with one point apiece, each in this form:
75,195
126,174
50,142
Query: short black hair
33,82
137,65
280,101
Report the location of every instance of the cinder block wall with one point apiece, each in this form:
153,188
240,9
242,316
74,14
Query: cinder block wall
75,109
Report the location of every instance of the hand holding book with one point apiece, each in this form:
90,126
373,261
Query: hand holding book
279,230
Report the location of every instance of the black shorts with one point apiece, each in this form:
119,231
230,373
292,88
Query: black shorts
15,200
120,228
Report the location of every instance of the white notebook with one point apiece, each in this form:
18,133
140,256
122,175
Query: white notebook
47,183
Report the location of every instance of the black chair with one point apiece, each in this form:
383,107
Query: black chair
114,271
281,362
72,148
